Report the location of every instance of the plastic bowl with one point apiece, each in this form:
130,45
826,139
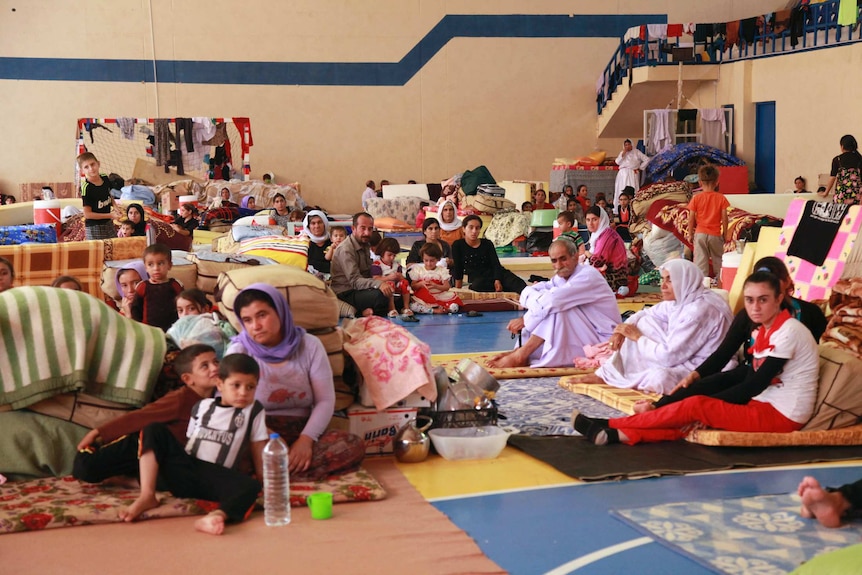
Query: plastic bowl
485,442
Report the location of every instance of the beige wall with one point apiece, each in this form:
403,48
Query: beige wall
815,104
512,104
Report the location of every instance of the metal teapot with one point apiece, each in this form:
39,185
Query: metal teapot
411,443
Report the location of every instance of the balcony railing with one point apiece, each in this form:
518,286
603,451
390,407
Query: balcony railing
812,26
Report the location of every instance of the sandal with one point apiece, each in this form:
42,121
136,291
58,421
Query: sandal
392,314
409,319
406,311
473,313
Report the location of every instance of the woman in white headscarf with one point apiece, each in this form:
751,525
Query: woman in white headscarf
450,223
658,346
316,227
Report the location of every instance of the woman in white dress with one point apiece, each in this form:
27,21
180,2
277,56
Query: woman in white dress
660,345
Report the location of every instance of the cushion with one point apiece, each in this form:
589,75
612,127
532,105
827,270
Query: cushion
717,438
284,250
211,264
846,560
839,396
312,302
35,445
81,408
404,208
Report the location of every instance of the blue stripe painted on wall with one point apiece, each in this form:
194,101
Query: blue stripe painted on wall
327,73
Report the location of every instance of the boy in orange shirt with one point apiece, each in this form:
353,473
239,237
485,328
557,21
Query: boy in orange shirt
707,222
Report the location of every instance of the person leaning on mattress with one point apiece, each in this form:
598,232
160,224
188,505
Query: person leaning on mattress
740,335
775,393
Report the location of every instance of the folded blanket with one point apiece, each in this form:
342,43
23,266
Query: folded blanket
56,340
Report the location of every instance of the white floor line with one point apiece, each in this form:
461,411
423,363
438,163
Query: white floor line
598,556
503,491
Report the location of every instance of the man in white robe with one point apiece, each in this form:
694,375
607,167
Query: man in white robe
573,309
631,161
658,346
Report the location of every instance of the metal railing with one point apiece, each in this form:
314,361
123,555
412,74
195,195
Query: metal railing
816,26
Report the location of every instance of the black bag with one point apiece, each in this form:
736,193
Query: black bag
539,242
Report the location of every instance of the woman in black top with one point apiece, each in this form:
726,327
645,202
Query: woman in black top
135,214
478,259
431,230
739,334
185,222
846,174
316,227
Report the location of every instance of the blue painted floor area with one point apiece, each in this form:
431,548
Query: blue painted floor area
457,333
537,531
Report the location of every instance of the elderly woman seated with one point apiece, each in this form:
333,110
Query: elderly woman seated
660,345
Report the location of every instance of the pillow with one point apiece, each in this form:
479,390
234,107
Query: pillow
839,396
35,445
846,560
211,264
264,219
312,302
239,233
284,250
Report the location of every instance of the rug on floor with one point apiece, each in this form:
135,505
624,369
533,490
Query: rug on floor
760,535
449,363
66,502
538,406
580,459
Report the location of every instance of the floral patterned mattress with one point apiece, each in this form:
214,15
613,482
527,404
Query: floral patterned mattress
66,502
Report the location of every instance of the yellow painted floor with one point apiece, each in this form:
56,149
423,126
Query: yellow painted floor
437,478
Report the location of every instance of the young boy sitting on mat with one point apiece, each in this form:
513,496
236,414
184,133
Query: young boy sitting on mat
221,431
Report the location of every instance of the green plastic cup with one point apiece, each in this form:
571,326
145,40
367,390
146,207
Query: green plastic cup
320,505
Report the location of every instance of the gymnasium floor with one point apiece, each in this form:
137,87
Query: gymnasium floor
530,518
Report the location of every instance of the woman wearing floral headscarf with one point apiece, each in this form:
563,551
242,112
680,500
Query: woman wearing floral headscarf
660,345
295,385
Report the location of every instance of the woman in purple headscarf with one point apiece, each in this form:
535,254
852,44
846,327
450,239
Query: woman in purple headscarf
127,279
295,385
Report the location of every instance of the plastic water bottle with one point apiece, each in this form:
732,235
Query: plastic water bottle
276,482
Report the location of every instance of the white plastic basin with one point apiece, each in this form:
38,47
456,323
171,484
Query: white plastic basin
484,442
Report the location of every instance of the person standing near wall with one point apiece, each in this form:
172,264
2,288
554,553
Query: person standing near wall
631,162
846,175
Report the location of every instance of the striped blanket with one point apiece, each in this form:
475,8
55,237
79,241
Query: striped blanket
55,340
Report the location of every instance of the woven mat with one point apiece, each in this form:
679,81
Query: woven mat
66,502
625,399
621,399
508,372
749,535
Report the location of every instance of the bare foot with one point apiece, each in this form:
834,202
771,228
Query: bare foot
826,507
141,504
508,359
807,482
643,406
590,378
212,523
367,312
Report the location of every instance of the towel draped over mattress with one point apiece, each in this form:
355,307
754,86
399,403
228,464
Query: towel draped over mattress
56,340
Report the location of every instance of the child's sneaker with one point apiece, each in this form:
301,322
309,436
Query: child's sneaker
421,307
453,308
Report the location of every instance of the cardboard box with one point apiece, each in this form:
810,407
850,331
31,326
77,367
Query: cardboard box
415,399
378,428
170,200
